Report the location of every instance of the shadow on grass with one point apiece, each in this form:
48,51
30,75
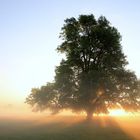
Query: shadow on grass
64,128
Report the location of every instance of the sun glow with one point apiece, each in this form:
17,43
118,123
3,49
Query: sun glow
118,112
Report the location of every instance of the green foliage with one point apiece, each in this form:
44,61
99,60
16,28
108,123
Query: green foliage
93,76
43,98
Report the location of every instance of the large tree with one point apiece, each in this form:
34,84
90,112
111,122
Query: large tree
93,76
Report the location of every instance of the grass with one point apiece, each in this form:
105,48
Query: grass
65,128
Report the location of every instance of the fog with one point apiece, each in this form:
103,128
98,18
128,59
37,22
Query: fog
24,124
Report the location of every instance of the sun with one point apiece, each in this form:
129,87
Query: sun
117,112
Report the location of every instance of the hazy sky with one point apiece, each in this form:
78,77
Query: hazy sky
29,31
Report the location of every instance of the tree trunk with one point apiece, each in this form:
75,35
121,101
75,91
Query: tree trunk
89,115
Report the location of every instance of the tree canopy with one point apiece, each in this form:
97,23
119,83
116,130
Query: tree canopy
93,76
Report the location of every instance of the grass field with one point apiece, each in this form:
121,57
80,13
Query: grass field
69,128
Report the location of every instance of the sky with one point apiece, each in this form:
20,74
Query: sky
29,36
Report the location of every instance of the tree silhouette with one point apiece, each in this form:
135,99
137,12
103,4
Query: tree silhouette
93,76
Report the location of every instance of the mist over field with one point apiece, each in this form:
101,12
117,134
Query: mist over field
60,127
20,123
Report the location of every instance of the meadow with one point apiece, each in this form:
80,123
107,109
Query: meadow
69,128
